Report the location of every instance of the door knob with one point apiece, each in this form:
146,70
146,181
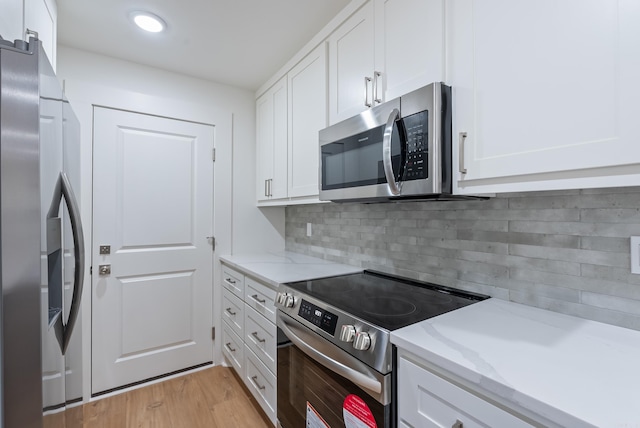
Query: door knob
104,269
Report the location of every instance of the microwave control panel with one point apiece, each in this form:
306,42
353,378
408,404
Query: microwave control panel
318,317
416,129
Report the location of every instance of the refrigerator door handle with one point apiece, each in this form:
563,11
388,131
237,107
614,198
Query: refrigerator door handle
63,189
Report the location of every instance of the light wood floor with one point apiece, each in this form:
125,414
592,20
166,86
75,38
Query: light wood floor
210,398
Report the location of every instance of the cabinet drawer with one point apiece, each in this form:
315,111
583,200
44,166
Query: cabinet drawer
233,281
233,349
428,400
260,337
233,312
262,384
261,298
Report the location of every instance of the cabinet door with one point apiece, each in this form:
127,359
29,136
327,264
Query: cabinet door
41,16
427,400
11,19
271,142
409,45
307,116
351,59
542,89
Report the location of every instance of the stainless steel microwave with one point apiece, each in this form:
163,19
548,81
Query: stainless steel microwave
398,150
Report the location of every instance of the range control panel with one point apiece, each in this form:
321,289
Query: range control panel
318,317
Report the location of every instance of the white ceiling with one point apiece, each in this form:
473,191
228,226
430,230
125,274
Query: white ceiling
235,42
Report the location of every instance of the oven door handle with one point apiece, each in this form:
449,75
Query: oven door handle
335,360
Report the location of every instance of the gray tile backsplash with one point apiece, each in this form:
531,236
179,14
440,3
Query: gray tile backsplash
567,251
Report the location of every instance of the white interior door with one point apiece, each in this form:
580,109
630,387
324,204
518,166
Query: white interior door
153,205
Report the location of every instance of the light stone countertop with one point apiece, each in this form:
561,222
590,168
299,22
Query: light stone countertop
568,370
274,268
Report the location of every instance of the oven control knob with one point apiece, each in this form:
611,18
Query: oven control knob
362,341
281,297
347,333
288,301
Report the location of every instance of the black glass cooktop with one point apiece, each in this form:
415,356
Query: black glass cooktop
387,301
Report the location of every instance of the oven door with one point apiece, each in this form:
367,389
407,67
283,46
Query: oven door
320,385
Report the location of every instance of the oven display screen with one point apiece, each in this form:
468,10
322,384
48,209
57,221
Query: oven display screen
318,317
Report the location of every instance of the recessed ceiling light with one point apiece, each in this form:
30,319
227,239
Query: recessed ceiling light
148,21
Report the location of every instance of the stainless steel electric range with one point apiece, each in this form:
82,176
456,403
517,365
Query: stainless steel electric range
335,359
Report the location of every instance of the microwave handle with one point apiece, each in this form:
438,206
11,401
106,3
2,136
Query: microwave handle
394,186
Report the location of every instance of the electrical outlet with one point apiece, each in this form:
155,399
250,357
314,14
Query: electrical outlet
635,254
308,229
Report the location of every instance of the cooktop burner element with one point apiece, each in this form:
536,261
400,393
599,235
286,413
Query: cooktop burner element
357,312
390,307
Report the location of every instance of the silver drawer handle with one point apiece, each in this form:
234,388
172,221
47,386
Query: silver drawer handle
230,281
230,312
228,346
458,424
255,297
255,334
255,380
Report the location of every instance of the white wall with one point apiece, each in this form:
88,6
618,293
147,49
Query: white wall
239,226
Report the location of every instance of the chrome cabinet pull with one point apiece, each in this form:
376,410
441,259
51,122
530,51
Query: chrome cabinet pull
255,297
270,187
461,138
255,380
228,346
255,334
376,83
230,312
458,424
367,80
266,187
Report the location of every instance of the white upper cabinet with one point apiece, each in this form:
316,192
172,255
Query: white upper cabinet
546,92
307,83
351,65
11,19
41,16
271,142
409,40
384,50
16,16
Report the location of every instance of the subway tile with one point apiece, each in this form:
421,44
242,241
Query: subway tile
614,303
569,254
597,243
610,273
544,240
612,215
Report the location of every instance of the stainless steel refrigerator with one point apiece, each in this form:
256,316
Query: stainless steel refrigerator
42,247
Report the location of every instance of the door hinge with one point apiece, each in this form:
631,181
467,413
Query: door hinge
213,333
213,155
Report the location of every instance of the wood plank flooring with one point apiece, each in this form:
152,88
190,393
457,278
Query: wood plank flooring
210,398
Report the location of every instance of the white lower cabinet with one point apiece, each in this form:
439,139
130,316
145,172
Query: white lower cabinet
428,400
249,335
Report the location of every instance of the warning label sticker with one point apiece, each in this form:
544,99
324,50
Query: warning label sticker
356,413
314,420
